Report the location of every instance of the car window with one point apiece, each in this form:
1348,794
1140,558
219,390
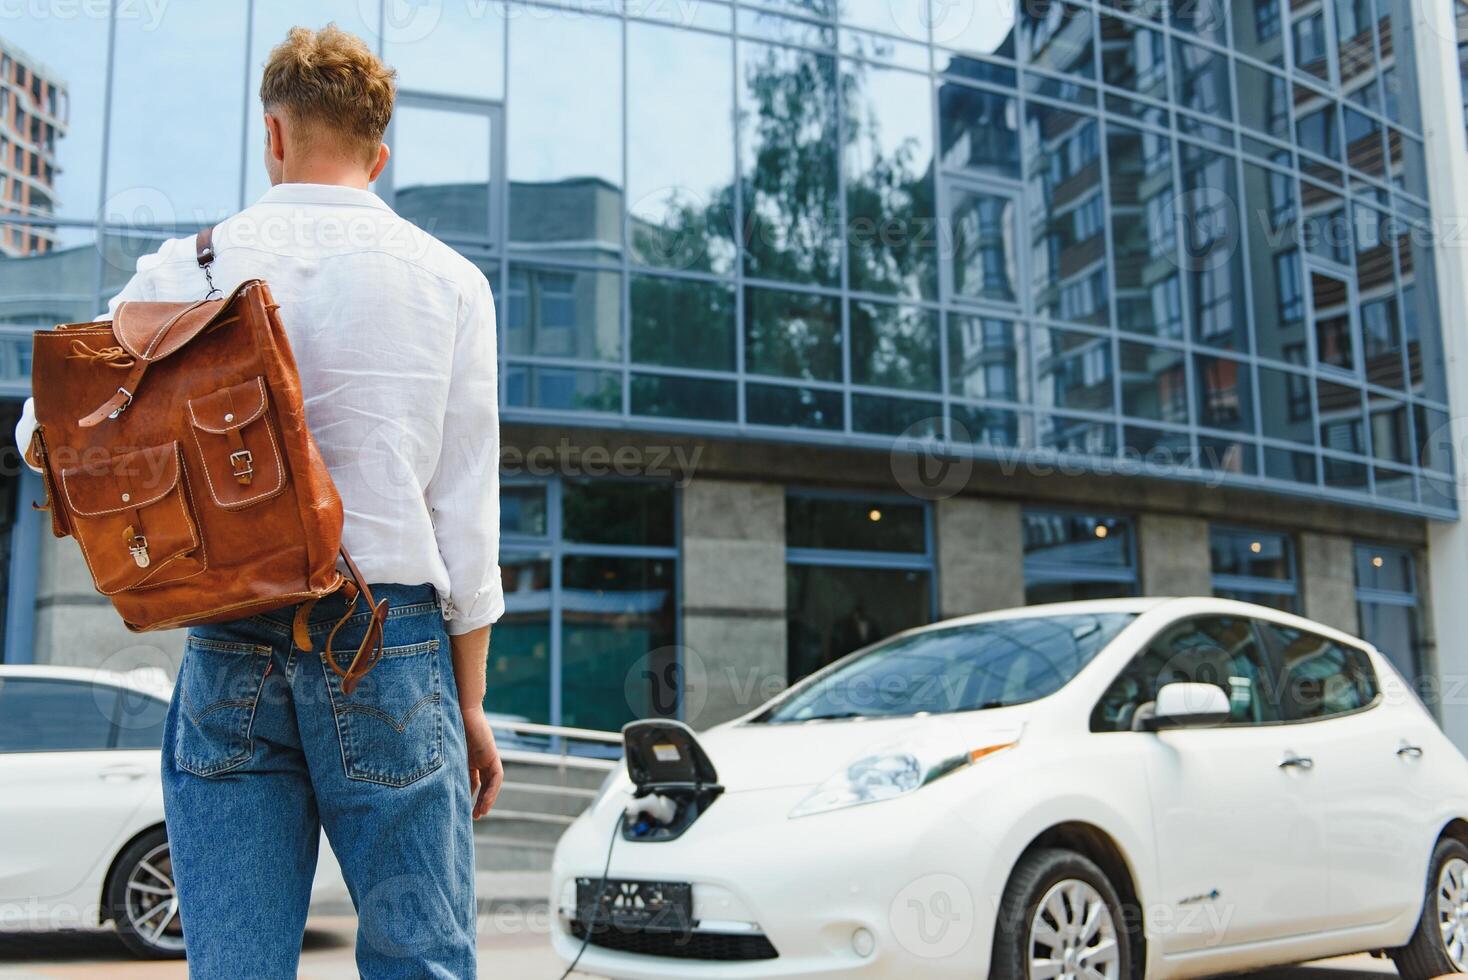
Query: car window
959,668
42,715
139,720
1221,650
1320,677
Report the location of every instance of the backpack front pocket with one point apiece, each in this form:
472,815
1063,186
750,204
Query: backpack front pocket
237,445
132,517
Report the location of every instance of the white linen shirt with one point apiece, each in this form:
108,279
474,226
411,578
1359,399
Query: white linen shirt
394,336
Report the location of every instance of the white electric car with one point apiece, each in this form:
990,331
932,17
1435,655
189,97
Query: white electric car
1104,790
82,841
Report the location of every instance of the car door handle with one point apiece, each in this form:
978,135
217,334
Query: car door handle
1409,751
1293,761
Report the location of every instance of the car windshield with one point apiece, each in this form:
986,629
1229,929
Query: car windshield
960,668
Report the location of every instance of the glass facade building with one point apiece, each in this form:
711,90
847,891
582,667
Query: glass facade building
1184,240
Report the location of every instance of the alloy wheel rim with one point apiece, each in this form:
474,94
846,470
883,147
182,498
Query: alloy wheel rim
1452,910
1073,935
152,900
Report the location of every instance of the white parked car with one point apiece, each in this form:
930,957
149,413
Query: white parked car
1150,788
81,808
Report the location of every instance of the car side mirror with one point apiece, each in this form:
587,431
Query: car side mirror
1188,705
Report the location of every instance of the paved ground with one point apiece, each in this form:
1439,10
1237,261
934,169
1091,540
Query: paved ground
512,944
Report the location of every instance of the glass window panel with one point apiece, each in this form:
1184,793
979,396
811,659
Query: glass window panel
1264,100
1205,18
1431,428
1384,569
1295,467
855,525
67,66
878,47
1425,356
1068,216
1231,457
682,323
786,405
1364,147
1391,433
1072,538
889,182
624,512
1342,427
902,18
1134,58
1144,232
1252,554
441,170
1345,474
1202,80
1311,44
818,9
1284,405
1057,36
688,398
971,29
834,611
1270,229
433,46
565,135
1154,383
1073,370
1317,125
562,389
518,672
616,612
985,245
708,14
680,176
1258,30
185,174
983,426
987,358
1209,226
1325,229
564,313
1394,484
1064,90
787,30
1396,630
793,335
978,69
1225,394
1330,299
896,416
980,130
1321,677
1355,41
42,715
1074,435
1394,25
894,347
49,276
788,146
1376,292
523,510
1157,447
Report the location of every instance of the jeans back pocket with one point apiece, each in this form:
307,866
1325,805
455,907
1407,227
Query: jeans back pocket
391,725
218,690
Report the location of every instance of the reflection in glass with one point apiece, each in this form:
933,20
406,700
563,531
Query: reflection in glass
987,358
1376,299
894,347
1073,370
1425,358
980,130
617,636
1271,222
1284,405
889,182
985,247
1144,232
1071,555
680,148
562,389
1211,257
855,525
441,170
1258,31
1225,399
1264,100
461,53
1391,435
788,148
1202,80
1154,383
1308,30
1342,425
1057,36
519,668
1134,58
625,512
565,155
563,313
523,510
980,425
1330,311
793,335
882,415
790,406
1068,216
687,398
834,610
682,323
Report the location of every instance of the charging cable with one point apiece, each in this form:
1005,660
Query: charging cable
596,903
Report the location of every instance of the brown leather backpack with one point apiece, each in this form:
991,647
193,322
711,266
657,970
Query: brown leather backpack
174,448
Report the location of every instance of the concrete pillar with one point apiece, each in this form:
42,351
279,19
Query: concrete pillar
1328,580
981,558
1173,555
733,597
1440,94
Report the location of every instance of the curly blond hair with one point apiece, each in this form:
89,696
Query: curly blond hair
330,82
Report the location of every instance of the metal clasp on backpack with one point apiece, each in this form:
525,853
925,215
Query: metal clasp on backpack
243,464
123,407
137,546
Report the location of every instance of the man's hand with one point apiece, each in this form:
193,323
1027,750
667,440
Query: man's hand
486,772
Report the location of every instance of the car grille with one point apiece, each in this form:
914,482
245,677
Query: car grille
679,945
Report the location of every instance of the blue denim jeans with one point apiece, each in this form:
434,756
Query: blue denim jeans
262,750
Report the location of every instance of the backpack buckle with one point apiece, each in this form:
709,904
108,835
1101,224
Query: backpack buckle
127,399
137,546
243,465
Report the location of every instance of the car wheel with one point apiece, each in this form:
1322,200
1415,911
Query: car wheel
1440,944
1060,919
142,899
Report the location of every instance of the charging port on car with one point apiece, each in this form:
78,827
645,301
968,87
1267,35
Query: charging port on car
674,780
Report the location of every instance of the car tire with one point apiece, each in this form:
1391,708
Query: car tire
141,895
1052,889
1427,955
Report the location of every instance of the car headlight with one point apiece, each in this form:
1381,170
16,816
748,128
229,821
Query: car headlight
892,772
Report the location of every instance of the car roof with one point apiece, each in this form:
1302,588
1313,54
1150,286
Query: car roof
146,681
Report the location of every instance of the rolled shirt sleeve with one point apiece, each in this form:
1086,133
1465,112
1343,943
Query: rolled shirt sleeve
464,494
